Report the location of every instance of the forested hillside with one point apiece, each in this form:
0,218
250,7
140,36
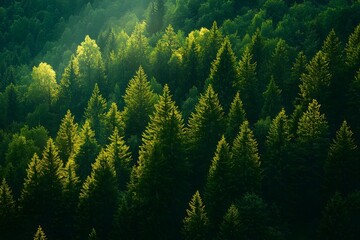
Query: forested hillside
179,119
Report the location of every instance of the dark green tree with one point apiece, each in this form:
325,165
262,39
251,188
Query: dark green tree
156,16
92,235
162,167
204,130
196,222
87,152
353,95
230,226
224,74
119,152
272,100
217,189
280,63
95,113
235,118
7,212
98,199
342,163
245,162
352,49
67,139
248,85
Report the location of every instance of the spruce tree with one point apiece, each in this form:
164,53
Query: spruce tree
204,130
280,63
235,118
92,235
217,189
87,151
224,73
67,138
40,235
248,85
196,222
7,212
316,80
162,167
245,162
353,95
272,100
139,101
118,151
343,163
98,199
95,113
352,49
230,226
113,119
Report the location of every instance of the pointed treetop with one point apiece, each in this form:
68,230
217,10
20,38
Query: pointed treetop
40,235
236,117
352,48
279,132
7,203
272,100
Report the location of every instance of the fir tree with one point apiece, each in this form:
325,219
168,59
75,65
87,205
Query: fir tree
248,85
40,235
139,104
352,49
67,137
113,119
156,16
98,198
353,95
162,167
87,152
217,194
343,163
95,112
204,130
196,222
272,100
245,162
230,227
235,118
280,63
121,157
224,74
7,212
92,235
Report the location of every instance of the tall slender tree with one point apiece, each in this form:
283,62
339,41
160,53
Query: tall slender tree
235,118
7,212
272,100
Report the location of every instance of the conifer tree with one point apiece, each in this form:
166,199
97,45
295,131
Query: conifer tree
280,63
258,56
352,49
230,227
87,152
139,104
276,157
245,162
67,137
196,222
95,112
156,16
217,189
235,118
7,212
40,235
162,167
248,85
272,100
98,198
42,193
316,80
118,151
92,235
204,130
311,149
224,74
353,94
112,120
343,163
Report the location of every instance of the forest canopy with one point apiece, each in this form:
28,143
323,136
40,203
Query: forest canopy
179,119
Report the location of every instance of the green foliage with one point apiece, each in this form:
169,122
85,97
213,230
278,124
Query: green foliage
204,130
98,198
67,139
272,100
235,117
7,211
248,85
113,119
352,49
246,162
224,74
342,163
230,227
40,235
196,222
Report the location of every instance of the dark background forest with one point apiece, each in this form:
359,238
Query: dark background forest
179,119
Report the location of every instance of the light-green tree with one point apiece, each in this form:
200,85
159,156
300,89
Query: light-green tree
7,212
40,235
352,49
235,118
196,222
98,199
113,119
203,132
67,139
162,167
